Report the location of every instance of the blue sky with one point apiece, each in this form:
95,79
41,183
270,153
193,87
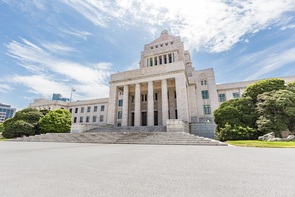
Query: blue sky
51,46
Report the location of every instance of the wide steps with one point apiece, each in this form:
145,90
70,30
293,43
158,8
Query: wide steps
160,138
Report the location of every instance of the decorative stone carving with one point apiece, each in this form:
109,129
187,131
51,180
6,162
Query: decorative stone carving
290,138
267,136
271,137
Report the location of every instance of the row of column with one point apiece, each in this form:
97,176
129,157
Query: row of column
150,107
159,60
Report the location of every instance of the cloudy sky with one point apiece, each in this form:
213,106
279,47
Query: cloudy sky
51,46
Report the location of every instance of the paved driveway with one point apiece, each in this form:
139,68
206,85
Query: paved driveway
59,169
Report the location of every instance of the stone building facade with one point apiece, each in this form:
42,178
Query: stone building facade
165,87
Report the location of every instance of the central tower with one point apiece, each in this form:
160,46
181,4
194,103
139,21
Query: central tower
155,92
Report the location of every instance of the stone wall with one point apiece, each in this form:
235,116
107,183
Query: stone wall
80,128
174,125
203,129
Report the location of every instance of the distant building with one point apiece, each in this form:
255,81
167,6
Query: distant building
6,112
58,97
164,90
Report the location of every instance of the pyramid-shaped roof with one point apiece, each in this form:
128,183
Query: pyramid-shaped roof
164,36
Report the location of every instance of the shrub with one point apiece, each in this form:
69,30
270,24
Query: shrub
29,115
236,132
23,123
267,125
17,128
1,127
56,121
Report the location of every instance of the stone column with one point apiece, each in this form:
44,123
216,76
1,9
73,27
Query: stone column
137,103
164,102
176,56
182,99
150,110
112,106
158,60
125,111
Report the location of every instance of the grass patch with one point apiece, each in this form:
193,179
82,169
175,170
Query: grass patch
1,139
261,144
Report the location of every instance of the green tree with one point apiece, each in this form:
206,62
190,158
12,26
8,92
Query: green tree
239,115
23,123
29,115
291,86
262,86
56,121
276,111
1,127
18,128
236,112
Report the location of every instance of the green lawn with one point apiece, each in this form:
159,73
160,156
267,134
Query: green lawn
262,144
1,139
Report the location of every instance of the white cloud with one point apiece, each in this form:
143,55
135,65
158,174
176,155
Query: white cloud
53,74
215,25
4,88
271,62
58,48
40,84
74,32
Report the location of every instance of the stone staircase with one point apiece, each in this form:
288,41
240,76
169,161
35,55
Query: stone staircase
115,137
108,128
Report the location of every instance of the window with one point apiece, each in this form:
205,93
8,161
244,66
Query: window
176,115
120,102
101,118
207,109
205,94
94,119
81,119
88,109
82,109
132,99
236,94
75,119
174,94
156,96
87,118
76,110
144,97
71,110
222,97
95,109
102,108
204,82
119,114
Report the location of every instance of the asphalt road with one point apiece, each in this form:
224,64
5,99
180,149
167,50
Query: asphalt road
59,169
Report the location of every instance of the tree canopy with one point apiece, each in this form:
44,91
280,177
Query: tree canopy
262,86
266,106
23,123
31,121
56,121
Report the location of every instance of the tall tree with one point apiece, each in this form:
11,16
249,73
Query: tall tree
276,111
262,86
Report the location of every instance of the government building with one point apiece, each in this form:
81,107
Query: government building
166,91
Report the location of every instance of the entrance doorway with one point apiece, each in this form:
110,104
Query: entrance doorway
132,118
143,119
155,118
